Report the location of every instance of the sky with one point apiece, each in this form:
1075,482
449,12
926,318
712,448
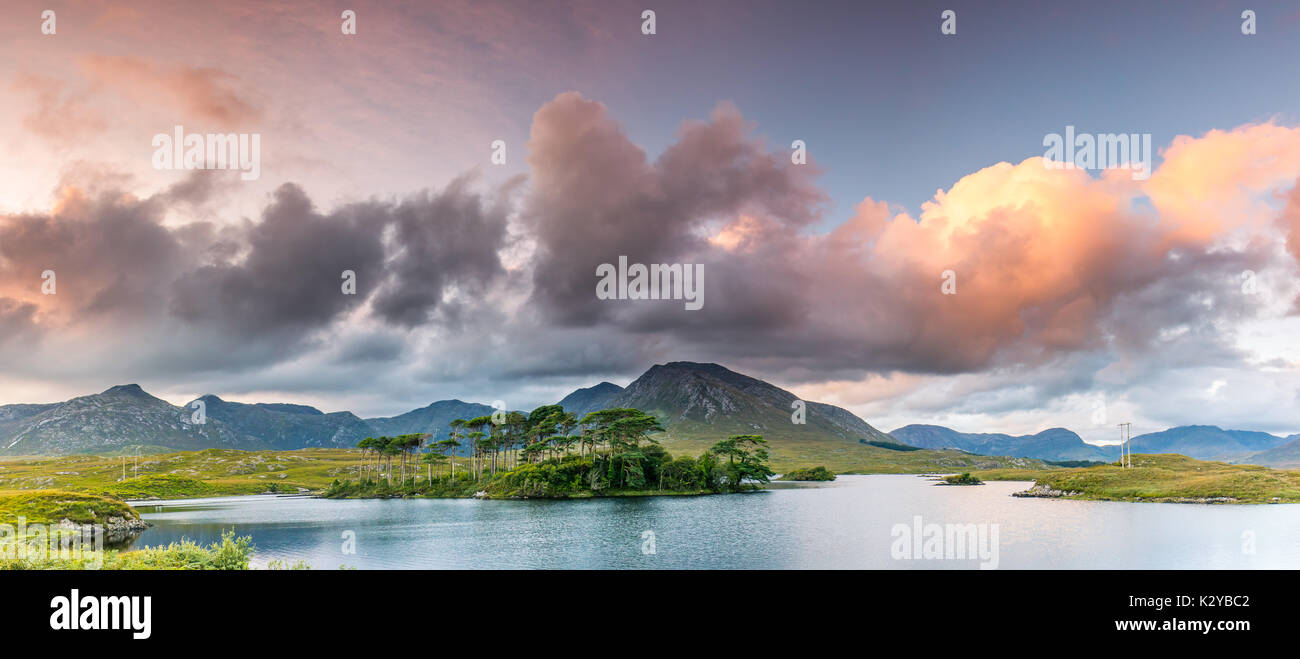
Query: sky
924,265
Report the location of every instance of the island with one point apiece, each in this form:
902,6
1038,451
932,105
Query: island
818,473
517,456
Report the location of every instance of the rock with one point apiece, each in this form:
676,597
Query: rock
115,529
1042,491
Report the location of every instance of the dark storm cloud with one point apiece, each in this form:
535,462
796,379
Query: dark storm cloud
293,275
596,197
447,240
245,294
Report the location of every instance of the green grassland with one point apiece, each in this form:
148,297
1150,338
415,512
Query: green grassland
188,474
1165,478
220,472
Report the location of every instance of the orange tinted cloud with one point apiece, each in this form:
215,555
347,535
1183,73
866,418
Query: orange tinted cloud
202,93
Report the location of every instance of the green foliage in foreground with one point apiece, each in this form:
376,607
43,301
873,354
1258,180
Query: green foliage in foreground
818,473
962,479
1167,477
231,553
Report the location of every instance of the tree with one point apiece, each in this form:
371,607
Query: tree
366,445
620,425
476,425
746,457
448,446
453,442
431,459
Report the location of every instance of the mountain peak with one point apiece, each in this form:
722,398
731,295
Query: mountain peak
126,389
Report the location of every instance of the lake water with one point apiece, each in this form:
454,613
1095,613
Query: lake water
855,522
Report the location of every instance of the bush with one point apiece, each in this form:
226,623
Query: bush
817,473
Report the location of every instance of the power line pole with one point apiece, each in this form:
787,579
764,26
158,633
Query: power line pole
1125,433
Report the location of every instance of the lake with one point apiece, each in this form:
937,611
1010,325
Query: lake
856,522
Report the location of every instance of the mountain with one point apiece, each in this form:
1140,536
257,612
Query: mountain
703,403
1051,444
1286,456
284,426
119,418
591,399
1206,442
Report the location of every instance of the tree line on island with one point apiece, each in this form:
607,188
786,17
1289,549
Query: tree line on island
551,453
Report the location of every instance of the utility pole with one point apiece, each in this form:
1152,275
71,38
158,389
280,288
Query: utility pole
1125,433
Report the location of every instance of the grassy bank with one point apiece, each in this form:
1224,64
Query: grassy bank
1163,478
53,506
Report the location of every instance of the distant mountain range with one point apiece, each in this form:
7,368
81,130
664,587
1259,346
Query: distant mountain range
697,403
1051,444
1200,442
125,417
703,402
120,416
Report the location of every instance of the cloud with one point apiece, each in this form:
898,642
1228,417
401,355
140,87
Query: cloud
1068,285
291,278
595,196
201,93
1048,263
138,287
446,241
59,116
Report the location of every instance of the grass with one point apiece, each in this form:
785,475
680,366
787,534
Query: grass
1167,477
187,474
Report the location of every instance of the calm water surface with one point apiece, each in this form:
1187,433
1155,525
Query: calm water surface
845,524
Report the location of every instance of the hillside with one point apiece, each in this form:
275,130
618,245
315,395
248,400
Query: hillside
1286,456
284,426
1051,444
591,399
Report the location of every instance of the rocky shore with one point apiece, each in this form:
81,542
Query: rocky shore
1043,491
